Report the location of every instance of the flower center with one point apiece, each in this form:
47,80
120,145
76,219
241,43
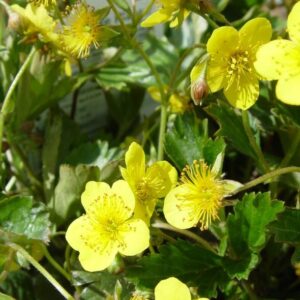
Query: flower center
143,190
239,63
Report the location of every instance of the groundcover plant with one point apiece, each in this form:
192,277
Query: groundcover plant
149,150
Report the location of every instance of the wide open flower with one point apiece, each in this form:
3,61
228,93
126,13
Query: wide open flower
280,60
148,184
197,199
83,30
35,21
231,64
107,228
172,11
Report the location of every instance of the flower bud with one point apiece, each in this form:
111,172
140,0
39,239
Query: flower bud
14,21
199,90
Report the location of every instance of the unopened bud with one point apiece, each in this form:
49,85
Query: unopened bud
14,21
205,6
199,90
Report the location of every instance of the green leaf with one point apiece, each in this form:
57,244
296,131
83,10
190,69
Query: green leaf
19,215
98,285
231,127
191,264
132,69
188,140
287,227
36,93
247,231
94,154
6,297
70,186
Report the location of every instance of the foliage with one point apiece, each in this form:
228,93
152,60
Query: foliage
136,157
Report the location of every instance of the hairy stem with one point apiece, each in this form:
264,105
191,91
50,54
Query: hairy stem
42,270
253,143
8,98
265,178
164,100
189,234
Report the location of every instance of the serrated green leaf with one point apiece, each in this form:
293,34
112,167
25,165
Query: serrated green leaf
287,227
188,140
191,264
247,231
231,127
71,184
19,215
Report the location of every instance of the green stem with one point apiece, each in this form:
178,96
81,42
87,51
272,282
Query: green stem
164,99
7,100
162,131
55,265
265,178
189,234
252,140
42,270
292,150
6,6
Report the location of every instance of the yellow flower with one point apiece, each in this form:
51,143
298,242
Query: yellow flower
172,289
231,64
107,228
197,199
148,184
35,20
170,11
280,60
84,31
178,103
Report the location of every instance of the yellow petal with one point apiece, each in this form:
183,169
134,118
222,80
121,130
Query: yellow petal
293,23
157,17
135,164
93,190
154,93
254,33
123,190
177,214
197,70
93,261
135,236
216,75
223,41
75,231
172,289
287,89
243,92
162,177
182,15
276,59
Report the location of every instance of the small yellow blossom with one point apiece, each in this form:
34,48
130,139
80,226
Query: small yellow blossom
35,21
148,184
172,11
231,64
107,227
197,199
280,60
84,31
178,103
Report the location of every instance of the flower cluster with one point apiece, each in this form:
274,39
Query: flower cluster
238,59
71,38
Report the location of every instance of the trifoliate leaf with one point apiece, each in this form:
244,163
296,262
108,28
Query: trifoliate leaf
188,140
